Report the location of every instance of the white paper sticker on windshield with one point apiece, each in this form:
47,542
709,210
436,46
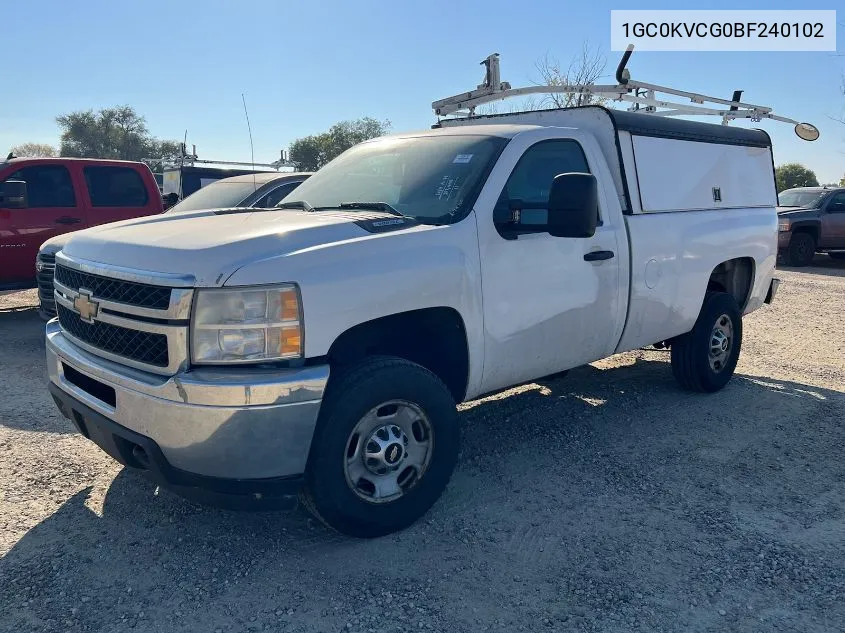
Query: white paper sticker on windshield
447,187
462,158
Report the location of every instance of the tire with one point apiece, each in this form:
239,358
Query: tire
837,256
801,250
691,352
367,394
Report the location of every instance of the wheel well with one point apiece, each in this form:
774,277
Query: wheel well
736,277
812,230
432,337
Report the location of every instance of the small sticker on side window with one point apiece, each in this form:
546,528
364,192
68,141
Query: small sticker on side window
462,158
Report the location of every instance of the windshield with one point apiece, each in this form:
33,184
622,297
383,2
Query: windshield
217,195
798,198
431,178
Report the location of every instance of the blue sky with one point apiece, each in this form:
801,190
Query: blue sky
305,65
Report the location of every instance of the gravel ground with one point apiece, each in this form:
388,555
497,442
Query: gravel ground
604,501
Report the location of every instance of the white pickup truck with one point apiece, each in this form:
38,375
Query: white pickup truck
320,349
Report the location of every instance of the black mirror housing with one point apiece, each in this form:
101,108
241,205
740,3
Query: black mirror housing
573,205
13,195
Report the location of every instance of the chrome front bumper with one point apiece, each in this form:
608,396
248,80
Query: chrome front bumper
226,423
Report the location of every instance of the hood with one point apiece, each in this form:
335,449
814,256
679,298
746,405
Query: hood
210,245
797,212
55,244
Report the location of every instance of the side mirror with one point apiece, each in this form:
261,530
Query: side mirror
573,205
13,195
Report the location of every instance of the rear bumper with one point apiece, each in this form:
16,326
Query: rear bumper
243,425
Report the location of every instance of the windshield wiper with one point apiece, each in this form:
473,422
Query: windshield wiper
373,206
295,204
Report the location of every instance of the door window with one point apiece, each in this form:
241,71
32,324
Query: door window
837,203
530,183
277,195
47,186
115,187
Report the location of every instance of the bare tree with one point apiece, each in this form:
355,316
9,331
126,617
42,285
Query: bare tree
495,107
583,69
34,150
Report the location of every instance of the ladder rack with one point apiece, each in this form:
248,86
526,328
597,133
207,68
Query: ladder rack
192,159
642,96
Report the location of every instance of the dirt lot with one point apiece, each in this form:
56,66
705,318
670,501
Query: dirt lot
605,501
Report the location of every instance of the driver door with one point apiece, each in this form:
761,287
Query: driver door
833,222
52,209
550,303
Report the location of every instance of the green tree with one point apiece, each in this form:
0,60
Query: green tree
34,150
312,152
794,175
117,132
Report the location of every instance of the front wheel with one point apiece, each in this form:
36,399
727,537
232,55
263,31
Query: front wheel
705,358
385,446
801,250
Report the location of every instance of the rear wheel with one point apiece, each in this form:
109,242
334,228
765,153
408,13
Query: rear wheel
801,250
705,358
385,446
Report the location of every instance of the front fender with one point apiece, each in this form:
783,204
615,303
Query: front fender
812,225
352,282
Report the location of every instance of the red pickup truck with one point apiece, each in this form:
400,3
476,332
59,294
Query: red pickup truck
43,197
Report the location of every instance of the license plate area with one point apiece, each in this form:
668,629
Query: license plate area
92,387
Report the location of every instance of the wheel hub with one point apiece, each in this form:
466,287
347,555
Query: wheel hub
721,343
385,449
388,451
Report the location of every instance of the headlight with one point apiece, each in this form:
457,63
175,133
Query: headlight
784,226
246,325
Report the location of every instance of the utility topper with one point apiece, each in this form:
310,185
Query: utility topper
643,97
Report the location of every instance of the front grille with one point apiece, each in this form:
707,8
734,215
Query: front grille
45,284
143,347
141,295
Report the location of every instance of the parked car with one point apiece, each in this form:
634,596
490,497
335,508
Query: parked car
321,349
263,190
811,220
44,197
260,190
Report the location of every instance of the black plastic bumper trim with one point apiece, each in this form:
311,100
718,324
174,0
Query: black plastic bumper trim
773,289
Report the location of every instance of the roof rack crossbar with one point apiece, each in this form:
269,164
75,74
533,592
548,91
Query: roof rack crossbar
641,95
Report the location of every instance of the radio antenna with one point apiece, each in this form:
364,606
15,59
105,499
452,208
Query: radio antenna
251,147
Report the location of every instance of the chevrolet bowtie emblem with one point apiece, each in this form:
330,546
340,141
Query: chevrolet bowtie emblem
86,308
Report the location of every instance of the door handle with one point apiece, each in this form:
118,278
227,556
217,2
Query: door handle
598,256
68,220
